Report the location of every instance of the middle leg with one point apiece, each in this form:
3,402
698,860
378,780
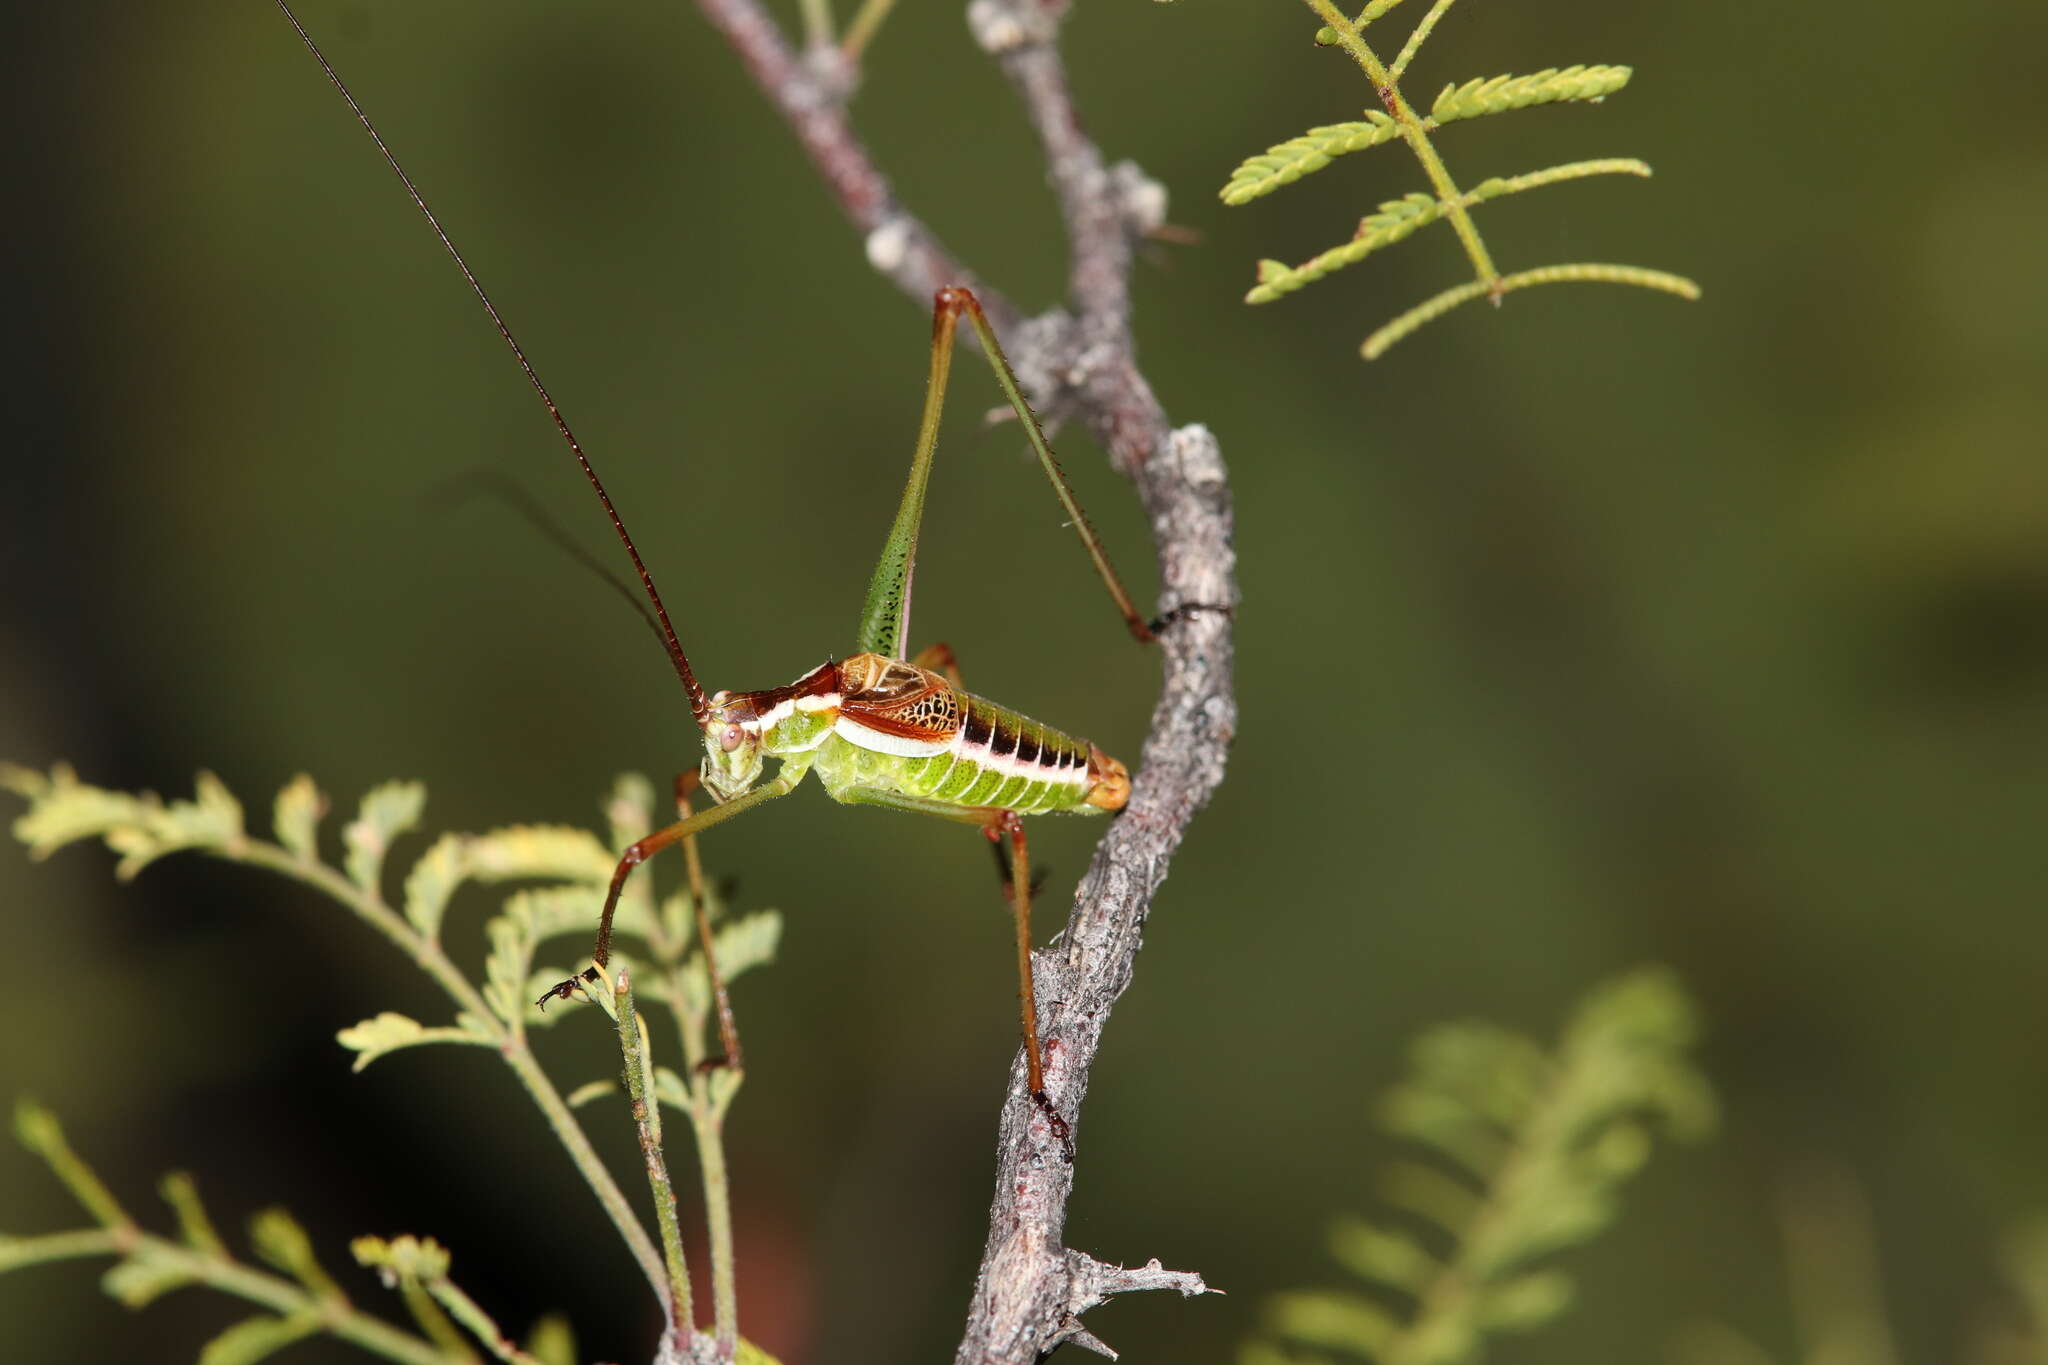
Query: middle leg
938,656
728,1031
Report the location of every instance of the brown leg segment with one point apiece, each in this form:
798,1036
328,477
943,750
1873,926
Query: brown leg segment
728,1031
939,658
1010,824
634,855
639,853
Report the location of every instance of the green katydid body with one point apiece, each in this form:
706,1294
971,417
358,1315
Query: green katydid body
887,732
879,729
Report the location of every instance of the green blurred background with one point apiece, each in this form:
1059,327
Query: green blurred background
1600,629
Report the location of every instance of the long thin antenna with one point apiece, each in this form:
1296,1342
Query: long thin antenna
699,706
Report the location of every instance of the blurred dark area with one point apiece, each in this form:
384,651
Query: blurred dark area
1599,629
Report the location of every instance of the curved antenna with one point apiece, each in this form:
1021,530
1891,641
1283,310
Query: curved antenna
700,708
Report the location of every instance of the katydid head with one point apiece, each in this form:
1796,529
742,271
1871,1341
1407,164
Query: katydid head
732,745
742,728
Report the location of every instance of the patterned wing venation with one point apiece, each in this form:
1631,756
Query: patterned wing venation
899,699
994,757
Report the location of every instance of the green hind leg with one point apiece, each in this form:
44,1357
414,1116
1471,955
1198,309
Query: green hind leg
885,618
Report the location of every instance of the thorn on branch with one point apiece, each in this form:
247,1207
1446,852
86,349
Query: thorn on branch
1091,1283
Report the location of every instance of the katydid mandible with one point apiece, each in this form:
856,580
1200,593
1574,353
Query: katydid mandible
881,728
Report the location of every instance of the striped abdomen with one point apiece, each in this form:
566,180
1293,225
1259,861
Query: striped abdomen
903,729
999,758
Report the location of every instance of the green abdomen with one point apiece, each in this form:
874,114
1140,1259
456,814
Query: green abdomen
997,758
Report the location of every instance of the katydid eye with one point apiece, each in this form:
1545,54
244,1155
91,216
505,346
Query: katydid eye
730,739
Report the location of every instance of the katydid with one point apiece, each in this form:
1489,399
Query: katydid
882,727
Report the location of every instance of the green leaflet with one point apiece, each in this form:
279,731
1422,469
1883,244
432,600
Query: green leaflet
1396,219
296,817
433,880
1498,94
390,1032
1289,161
387,811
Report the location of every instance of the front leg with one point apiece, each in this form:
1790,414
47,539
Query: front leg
644,849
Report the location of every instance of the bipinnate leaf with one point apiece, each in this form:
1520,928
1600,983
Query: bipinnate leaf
387,811
296,818
257,1338
1400,119
389,1032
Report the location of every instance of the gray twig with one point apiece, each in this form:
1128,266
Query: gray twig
1078,363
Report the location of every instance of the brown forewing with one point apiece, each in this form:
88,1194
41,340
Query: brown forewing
897,698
